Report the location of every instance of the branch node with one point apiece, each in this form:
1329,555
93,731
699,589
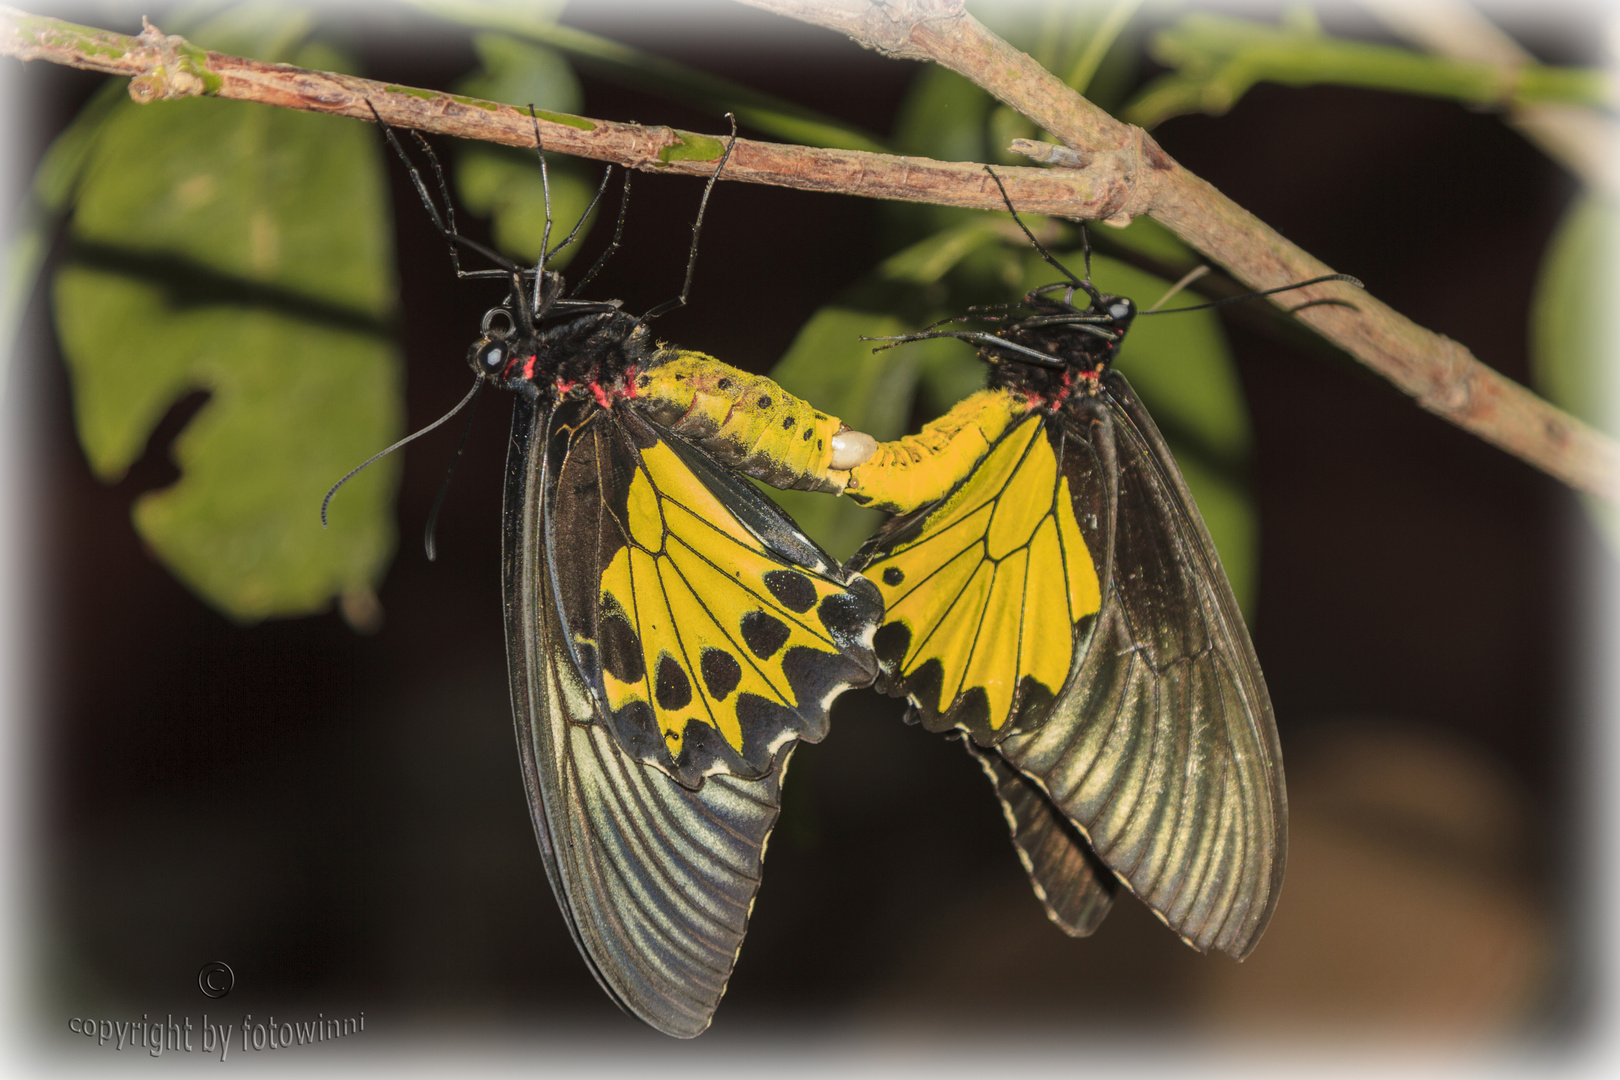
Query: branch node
179,70
1051,154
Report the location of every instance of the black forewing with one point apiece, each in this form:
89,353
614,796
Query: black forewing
1162,747
656,881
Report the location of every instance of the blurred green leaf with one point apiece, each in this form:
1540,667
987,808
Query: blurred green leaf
929,260
49,196
1572,323
631,67
943,117
1147,237
503,183
1217,59
1573,296
244,251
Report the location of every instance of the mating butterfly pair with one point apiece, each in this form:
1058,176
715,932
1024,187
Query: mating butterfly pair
1048,591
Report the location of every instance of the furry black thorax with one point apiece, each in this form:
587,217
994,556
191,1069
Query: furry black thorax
588,355
1082,341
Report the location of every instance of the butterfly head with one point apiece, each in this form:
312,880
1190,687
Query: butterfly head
499,353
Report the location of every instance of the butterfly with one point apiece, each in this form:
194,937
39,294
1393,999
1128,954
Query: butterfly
1053,597
671,634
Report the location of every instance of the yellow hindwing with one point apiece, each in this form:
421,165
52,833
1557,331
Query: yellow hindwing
715,615
978,588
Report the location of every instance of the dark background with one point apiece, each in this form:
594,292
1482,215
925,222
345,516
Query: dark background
342,820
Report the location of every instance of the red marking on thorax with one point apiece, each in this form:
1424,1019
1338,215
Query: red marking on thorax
1066,385
602,398
630,381
564,385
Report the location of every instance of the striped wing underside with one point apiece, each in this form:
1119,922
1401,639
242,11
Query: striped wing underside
1157,743
656,877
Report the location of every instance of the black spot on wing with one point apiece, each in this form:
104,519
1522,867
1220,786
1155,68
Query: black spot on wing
891,642
763,633
793,589
636,728
846,616
923,686
672,688
721,673
620,647
1032,704
893,576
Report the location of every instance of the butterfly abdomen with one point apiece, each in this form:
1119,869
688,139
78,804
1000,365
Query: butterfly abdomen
748,423
920,469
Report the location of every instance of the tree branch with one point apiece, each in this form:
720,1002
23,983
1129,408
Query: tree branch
167,66
1442,375
1112,172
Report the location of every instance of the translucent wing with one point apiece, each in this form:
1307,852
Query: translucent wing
1074,886
654,850
1158,743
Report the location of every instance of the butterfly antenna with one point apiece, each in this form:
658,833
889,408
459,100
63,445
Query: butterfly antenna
618,231
1267,292
975,337
1047,255
379,455
428,543
1186,279
697,228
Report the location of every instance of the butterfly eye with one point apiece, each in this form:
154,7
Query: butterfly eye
1121,309
488,357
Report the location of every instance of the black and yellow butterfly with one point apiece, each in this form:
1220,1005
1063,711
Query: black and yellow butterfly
1052,593
670,633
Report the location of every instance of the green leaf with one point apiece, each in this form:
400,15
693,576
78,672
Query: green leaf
503,183
1571,322
1567,343
49,196
244,251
